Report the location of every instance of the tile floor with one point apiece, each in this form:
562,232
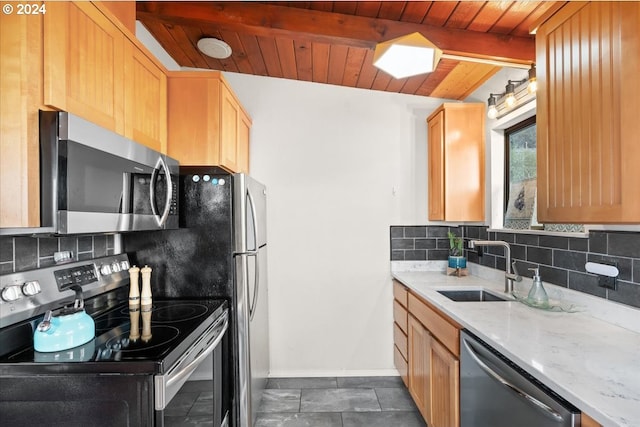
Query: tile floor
311,402
337,402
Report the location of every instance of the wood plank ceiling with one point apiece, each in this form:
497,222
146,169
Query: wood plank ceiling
333,42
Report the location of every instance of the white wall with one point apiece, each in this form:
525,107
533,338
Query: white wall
341,165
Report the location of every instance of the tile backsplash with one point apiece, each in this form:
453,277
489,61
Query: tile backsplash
561,259
27,253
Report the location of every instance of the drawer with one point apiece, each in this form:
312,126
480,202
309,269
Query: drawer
400,340
443,329
400,316
401,365
400,293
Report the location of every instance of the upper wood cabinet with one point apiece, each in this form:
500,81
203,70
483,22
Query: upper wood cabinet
588,101
77,57
123,11
456,163
206,123
95,68
244,136
145,100
84,64
21,88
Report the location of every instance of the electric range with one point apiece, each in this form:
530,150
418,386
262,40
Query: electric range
156,348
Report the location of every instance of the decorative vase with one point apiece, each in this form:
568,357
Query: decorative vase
457,262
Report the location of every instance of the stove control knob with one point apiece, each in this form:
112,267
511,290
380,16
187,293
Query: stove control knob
105,269
11,293
124,265
31,288
116,267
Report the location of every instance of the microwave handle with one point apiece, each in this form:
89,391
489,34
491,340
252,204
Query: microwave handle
152,193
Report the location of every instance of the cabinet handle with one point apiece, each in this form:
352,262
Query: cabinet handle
167,204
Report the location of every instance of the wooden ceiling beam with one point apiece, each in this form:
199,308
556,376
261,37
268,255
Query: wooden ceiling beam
325,27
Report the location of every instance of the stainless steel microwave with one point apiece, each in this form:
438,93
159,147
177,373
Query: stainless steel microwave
94,180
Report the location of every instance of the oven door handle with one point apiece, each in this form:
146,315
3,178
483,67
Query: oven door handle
164,382
187,370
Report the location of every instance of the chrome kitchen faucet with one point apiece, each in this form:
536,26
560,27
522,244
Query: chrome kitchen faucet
509,277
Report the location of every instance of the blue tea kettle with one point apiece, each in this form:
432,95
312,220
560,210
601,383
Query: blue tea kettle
70,327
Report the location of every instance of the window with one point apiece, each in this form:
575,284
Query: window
520,176
520,180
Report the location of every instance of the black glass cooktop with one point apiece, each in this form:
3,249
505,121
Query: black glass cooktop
125,334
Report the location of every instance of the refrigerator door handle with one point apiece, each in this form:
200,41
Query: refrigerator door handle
256,285
248,253
256,282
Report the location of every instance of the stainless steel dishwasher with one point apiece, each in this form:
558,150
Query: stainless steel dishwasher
494,392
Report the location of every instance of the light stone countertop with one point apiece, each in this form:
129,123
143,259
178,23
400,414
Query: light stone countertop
592,363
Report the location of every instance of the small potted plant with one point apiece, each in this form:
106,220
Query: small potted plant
456,251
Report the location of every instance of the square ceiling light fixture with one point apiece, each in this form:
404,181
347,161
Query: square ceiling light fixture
407,56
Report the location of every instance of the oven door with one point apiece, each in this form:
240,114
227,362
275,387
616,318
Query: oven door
167,385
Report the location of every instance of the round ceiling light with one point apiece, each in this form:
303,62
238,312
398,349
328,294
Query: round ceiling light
214,48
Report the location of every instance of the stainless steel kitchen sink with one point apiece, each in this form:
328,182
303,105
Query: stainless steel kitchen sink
471,295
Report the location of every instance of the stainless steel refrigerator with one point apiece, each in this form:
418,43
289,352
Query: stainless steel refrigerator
219,251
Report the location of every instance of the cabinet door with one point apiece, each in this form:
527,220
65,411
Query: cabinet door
21,88
84,63
587,421
146,100
445,387
588,102
229,118
436,167
123,11
193,119
244,130
419,366
456,163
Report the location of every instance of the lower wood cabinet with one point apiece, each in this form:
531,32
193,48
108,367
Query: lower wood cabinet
432,358
587,421
426,353
445,386
419,367
400,331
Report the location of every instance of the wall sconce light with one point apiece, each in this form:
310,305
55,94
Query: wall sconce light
514,94
492,112
407,56
510,94
532,87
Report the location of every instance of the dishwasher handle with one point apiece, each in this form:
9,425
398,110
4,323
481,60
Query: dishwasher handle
544,407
